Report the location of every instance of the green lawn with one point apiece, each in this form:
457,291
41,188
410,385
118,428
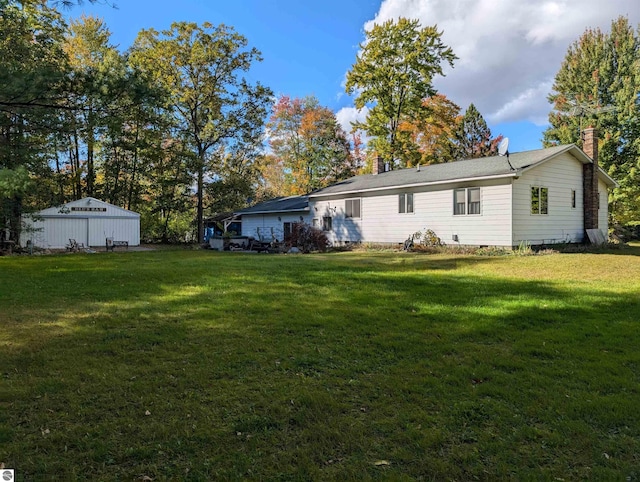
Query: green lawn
353,366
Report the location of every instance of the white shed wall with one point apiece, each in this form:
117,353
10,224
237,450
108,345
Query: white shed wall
55,226
55,232
563,223
120,229
260,226
380,221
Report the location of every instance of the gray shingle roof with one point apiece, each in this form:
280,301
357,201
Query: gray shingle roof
485,167
279,205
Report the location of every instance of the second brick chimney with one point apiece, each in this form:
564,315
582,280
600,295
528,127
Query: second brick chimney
379,166
590,179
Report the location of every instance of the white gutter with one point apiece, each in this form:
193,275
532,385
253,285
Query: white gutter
517,173
274,212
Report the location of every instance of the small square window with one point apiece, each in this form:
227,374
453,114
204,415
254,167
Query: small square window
352,208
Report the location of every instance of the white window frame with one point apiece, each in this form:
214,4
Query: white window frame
348,208
327,223
465,207
470,203
284,229
540,191
404,204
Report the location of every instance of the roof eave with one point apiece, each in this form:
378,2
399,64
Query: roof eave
611,182
303,210
516,173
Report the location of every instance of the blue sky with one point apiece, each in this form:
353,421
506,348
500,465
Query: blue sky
509,50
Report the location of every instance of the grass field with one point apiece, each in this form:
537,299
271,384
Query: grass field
350,366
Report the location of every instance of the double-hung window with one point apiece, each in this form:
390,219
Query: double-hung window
352,208
539,200
466,201
405,203
327,223
473,200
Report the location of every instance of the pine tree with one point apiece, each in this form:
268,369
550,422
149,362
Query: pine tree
473,137
33,82
598,85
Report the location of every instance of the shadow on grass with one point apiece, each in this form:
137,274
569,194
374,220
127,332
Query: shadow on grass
192,365
632,249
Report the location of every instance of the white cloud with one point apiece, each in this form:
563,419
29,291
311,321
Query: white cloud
524,106
348,115
509,50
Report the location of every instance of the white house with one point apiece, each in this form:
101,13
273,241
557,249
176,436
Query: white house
539,197
272,220
89,221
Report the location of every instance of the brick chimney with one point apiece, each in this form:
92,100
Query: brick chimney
590,179
378,165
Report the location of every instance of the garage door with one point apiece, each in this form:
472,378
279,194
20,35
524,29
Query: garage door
58,231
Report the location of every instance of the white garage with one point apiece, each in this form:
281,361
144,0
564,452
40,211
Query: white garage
89,221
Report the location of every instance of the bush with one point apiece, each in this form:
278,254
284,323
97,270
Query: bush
307,238
627,232
427,239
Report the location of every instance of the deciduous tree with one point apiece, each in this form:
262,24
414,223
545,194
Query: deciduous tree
393,74
212,103
312,147
92,60
433,131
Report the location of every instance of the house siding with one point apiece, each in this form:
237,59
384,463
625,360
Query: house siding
261,226
563,223
380,221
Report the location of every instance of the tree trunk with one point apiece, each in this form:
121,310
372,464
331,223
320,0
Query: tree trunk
200,214
134,168
77,173
90,149
15,218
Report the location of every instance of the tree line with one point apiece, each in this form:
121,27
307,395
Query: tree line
598,85
172,128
